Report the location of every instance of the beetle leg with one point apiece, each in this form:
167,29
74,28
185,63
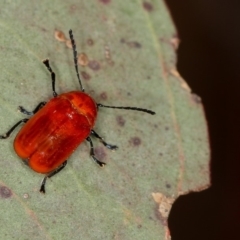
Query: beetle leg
46,63
38,107
101,164
109,146
51,174
8,133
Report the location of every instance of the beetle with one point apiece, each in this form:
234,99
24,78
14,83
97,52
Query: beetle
58,127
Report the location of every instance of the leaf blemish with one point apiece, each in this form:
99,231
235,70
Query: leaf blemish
121,121
164,205
103,96
132,44
5,192
105,1
83,59
85,75
135,141
147,6
168,185
90,42
59,35
94,65
100,153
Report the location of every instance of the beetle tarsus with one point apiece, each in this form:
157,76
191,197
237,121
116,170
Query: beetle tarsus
51,174
46,63
107,145
37,108
101,164
8,133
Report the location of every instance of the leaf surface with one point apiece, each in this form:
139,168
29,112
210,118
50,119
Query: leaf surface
130,50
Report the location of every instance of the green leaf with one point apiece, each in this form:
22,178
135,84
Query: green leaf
131,47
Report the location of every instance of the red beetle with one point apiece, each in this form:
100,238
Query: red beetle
57,128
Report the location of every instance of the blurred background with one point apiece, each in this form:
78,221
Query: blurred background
209,60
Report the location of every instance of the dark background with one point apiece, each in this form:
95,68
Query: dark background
209,60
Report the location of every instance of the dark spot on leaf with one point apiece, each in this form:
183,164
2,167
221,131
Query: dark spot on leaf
166,128
94,65
90,42
85,75
121,121
147,6
139,226
134,44
103,95
73,8
5,192
105,1
136,141
168,185
100,153
160,154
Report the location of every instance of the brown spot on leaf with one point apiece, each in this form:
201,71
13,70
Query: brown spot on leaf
108,55
168,185
134,44
59,35
196,98
147,6
135,141
94,65
83,59
105,1
120,120
164,206
73,8
5,192
100,153
103,95
175,41
68,43
85,75
90,42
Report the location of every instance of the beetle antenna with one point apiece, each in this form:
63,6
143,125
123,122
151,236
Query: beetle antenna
75,58
128,108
